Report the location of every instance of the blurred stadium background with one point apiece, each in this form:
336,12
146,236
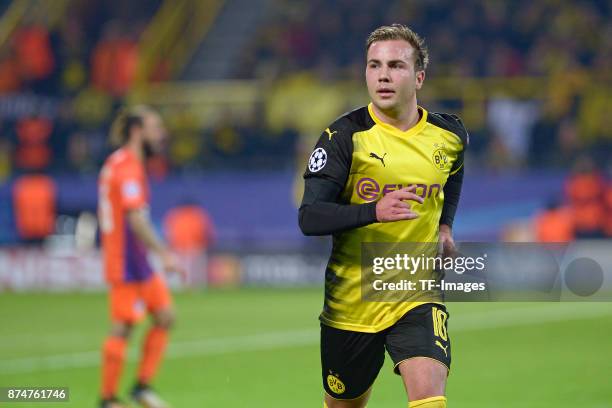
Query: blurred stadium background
245,87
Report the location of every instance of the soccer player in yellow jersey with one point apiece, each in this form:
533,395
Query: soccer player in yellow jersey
387,172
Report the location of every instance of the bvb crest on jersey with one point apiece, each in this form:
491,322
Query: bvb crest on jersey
439,157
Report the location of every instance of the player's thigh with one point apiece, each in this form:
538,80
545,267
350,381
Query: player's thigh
125,304
420,347
158,300
423,377
350,362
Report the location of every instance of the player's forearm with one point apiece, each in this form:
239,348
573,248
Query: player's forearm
320,214
142,227
323,218
452,193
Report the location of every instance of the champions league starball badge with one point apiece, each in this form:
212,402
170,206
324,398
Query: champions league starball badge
317,160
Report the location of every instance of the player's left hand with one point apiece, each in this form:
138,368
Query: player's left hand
447,248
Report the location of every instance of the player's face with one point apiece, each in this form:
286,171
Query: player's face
390,75
154,133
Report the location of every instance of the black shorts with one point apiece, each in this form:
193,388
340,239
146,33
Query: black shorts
350,361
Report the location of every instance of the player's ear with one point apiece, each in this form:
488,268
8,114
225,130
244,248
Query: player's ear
419,78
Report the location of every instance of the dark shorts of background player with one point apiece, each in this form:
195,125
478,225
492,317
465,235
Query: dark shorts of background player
350,361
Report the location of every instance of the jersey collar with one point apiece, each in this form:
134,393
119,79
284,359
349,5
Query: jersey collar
392,129
127,152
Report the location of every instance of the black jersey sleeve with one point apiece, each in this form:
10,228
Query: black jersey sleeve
332,155
452,188
321,214
321,211
452,192
462,133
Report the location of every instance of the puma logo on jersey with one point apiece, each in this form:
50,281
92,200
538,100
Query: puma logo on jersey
330,133
442,347
382,159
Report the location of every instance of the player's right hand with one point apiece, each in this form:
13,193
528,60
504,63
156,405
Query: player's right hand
171,264
393,206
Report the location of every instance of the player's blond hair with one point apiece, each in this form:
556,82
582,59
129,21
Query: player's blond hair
126,119
401,32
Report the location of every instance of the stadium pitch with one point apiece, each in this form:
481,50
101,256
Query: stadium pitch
259,348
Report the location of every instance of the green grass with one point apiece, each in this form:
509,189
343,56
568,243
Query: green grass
258,348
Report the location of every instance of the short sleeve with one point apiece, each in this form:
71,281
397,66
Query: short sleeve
132,189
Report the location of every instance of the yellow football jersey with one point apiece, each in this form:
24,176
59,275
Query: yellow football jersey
370,158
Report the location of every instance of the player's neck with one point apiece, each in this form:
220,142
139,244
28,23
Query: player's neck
136,149
402,120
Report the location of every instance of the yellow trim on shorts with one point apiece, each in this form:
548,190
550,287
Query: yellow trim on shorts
350,399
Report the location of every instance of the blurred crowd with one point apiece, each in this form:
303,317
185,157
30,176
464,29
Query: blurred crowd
467,38
548,121
93,43
582,211
60,83
531,79
61,80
